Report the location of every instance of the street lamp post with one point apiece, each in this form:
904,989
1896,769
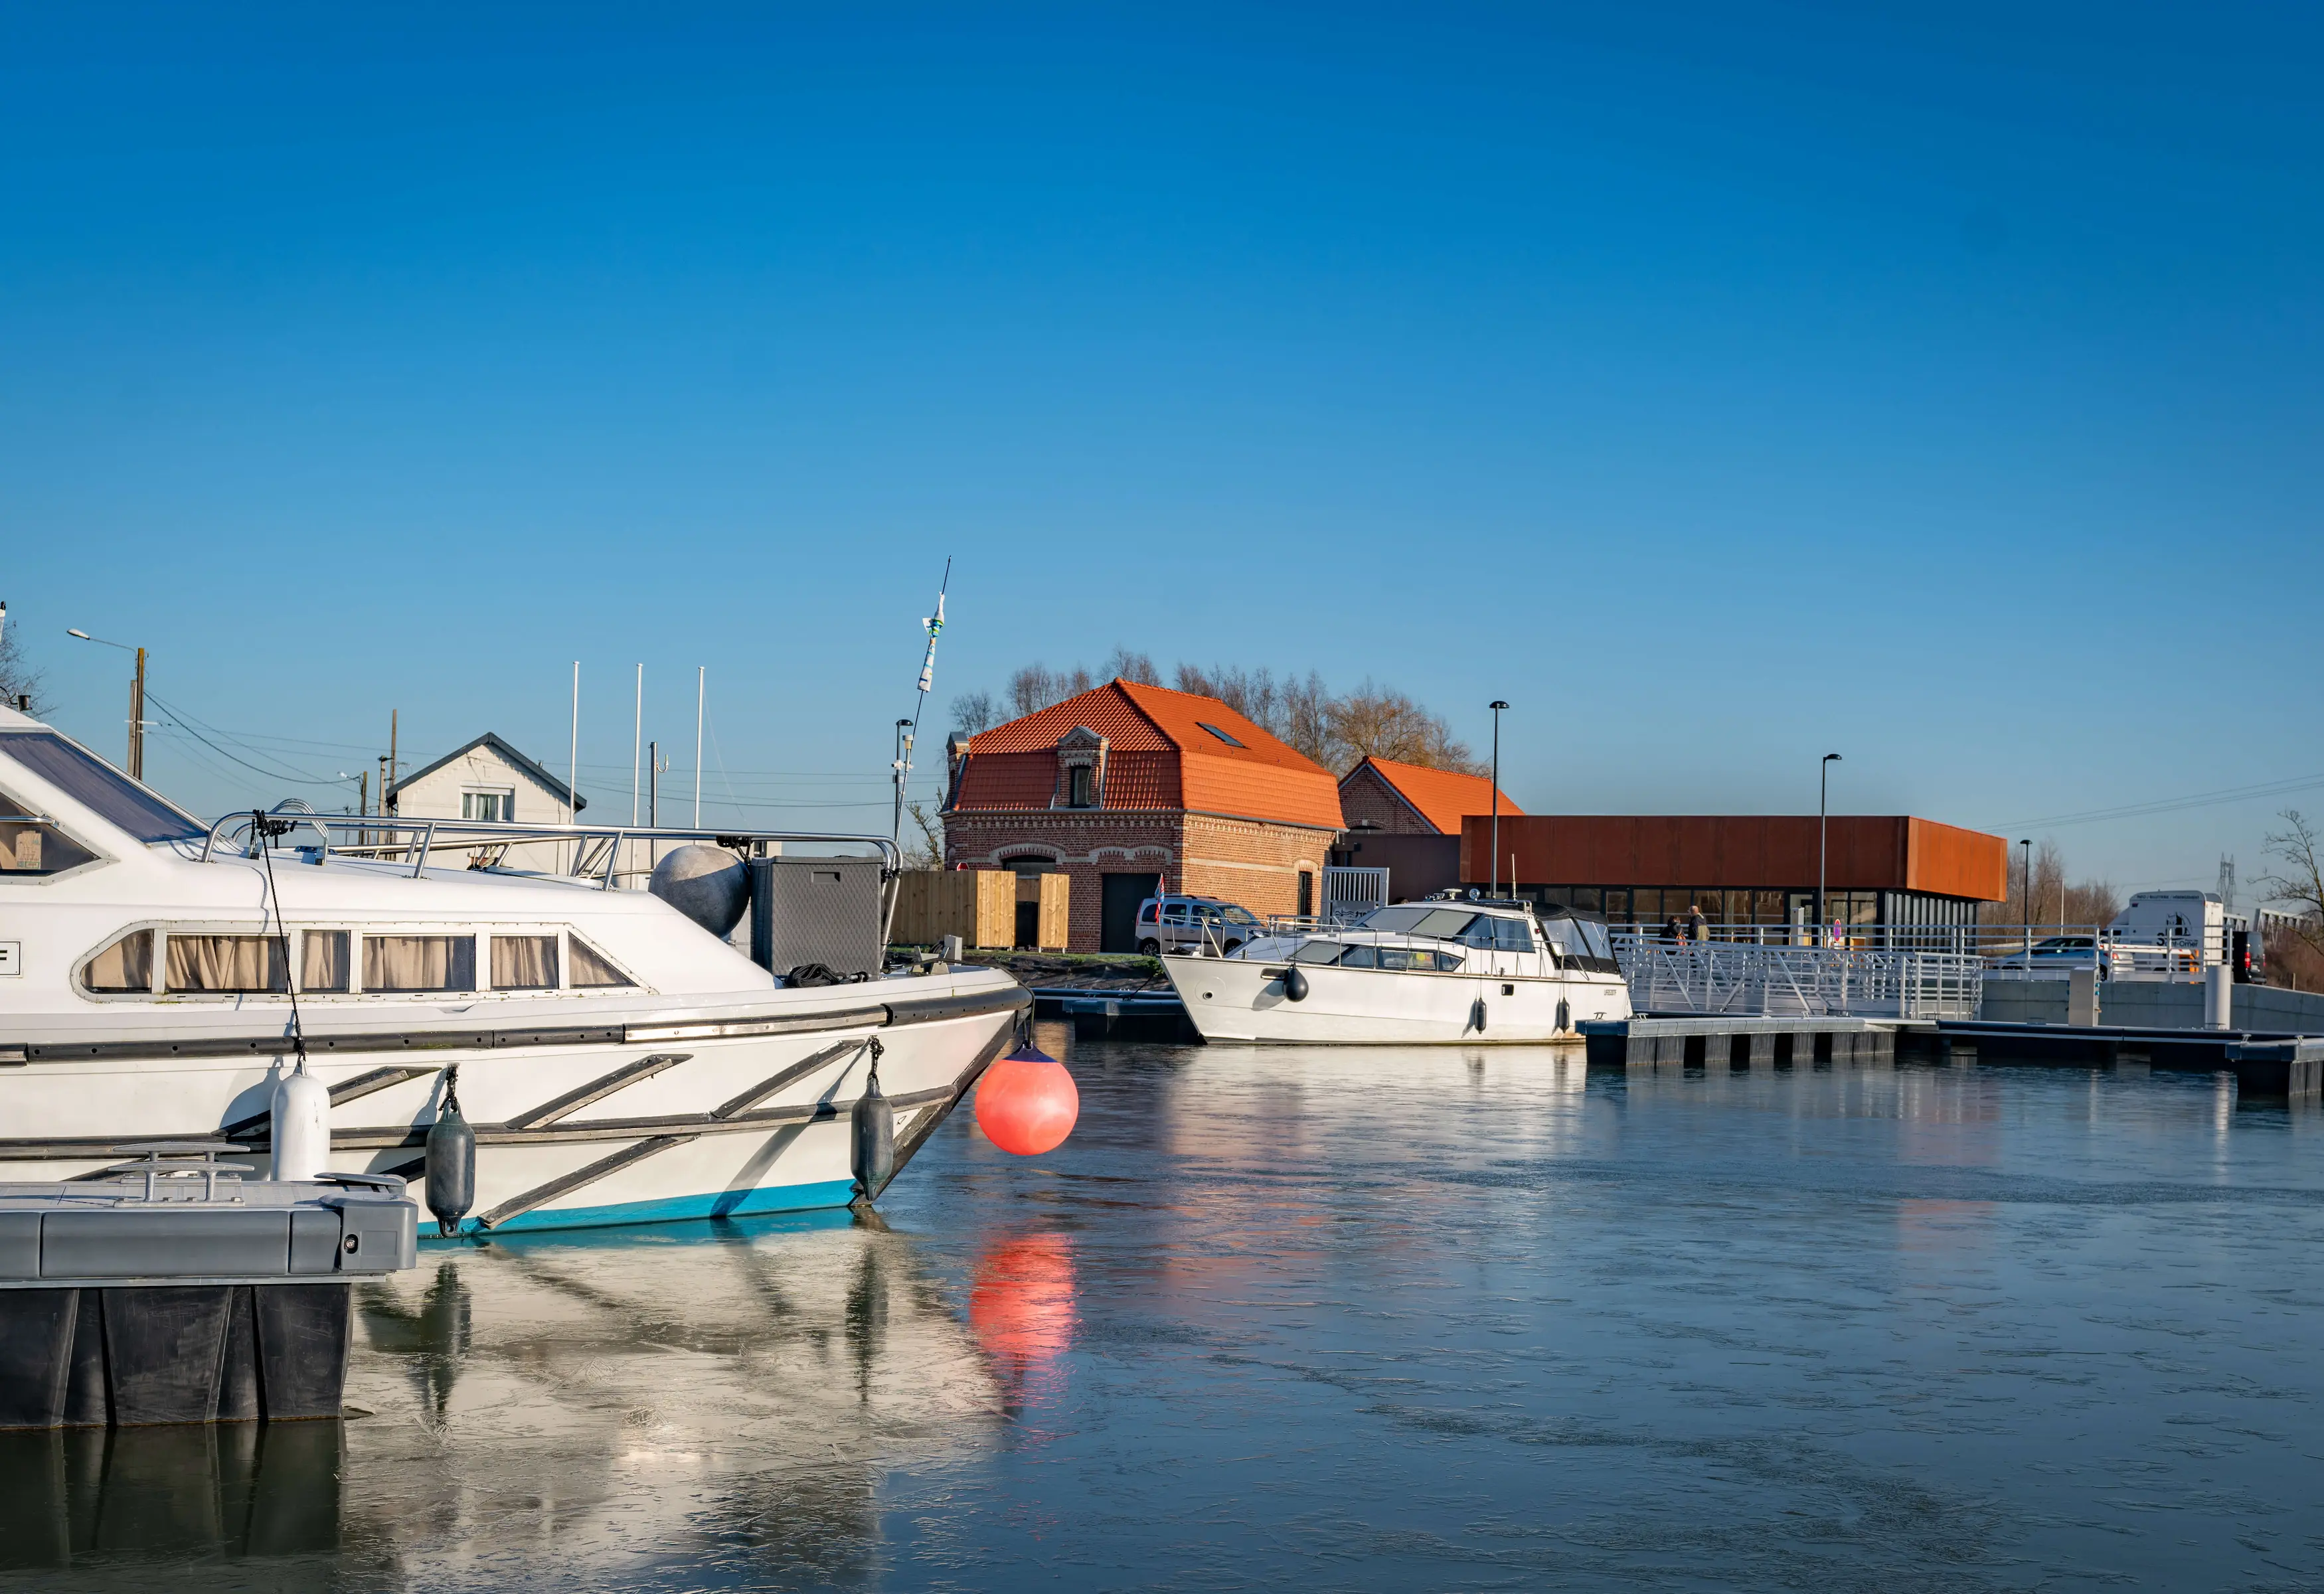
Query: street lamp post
2026,848
1824,825
137,702
1497,707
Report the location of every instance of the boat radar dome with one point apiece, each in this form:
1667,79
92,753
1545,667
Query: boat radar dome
708,885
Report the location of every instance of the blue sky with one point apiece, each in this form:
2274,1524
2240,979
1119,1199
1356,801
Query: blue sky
1722,385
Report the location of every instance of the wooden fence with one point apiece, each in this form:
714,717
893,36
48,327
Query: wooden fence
980,906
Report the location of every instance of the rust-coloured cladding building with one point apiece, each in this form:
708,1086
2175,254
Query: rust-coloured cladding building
1746,869
1129,785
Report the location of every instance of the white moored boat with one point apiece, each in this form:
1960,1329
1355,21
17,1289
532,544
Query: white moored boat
618,1061
1447,970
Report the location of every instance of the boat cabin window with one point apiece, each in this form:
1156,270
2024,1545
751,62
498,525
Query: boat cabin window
126,965
221,964
97,785
1512,935
592,968
524,962
1321,952
1410,959
1418,918
419,963
323,960
31,846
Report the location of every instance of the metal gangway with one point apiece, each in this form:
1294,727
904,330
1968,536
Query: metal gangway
1748,979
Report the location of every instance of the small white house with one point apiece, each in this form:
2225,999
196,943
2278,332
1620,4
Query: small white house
487,778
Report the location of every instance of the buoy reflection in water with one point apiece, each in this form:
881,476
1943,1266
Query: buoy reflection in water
1022,1306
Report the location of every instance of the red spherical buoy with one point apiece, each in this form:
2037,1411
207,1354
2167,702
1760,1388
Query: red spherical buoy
1026,1102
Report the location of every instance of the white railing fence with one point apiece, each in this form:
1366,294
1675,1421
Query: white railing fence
1350,893
2057,949
1753,980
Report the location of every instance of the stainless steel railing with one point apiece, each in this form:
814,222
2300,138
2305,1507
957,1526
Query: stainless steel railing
1750,980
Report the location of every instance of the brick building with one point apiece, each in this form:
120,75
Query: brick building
1406,819
1128,784
1411,799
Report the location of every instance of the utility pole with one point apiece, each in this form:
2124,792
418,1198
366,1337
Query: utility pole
637,743
137,721
701,683
137,700
1497,707
393,766
653,783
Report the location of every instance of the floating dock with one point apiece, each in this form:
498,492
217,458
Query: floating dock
183,1291
2264,1065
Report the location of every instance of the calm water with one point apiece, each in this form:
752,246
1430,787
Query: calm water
1395,1319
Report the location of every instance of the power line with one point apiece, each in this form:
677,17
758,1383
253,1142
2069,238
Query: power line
2265,788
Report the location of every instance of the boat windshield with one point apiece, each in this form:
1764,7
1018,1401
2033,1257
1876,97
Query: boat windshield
92,781
1418,918
1579,937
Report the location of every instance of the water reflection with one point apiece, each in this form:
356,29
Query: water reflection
717,1395
1022,1308
84,1496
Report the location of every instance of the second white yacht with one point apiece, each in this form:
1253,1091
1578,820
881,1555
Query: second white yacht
1448,971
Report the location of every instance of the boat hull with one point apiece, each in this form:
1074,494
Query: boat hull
1244,999
644,1122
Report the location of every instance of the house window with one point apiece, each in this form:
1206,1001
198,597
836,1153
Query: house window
495,808
1221,735
1077,786
1306,894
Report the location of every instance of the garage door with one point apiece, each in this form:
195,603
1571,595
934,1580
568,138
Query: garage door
1123,893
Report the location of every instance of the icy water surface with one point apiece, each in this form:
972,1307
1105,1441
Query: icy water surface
1339,1318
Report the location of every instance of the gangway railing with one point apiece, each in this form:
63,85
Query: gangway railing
1737,978
2052,952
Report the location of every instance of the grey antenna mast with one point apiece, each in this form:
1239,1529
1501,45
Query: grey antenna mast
910,729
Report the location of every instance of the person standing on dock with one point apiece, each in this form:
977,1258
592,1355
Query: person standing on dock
1698,927
1673,932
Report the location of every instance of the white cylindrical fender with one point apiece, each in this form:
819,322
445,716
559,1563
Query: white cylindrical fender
301,1129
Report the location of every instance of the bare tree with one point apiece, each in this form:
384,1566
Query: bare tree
974,713
2057,899
18,679
926,849
1123,665
1380,722
2300,879
1036,687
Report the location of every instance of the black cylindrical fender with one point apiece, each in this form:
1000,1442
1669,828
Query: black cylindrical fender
451,1165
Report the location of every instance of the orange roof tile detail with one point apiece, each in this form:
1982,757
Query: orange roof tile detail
1442,797
1159,755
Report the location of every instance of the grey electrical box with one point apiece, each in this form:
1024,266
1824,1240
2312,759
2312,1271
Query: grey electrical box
817,910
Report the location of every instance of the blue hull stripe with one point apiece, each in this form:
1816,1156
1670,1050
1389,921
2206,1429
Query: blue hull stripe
724,1203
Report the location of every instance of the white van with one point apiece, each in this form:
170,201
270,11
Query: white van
1209,924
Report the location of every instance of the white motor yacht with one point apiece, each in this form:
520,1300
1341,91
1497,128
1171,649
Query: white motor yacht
1449,970
618,1061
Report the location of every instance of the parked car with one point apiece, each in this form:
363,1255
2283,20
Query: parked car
2056,956
1207,925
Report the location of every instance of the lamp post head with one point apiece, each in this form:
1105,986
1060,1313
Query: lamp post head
1497,705
1832,758
83,635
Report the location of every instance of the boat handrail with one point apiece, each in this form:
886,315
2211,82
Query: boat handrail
504,834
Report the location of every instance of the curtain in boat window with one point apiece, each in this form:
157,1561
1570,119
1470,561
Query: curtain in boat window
524,962
420,963
323,960
125,966
590,969
225,963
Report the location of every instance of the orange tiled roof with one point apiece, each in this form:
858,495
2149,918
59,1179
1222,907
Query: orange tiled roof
1158,756
1442,797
